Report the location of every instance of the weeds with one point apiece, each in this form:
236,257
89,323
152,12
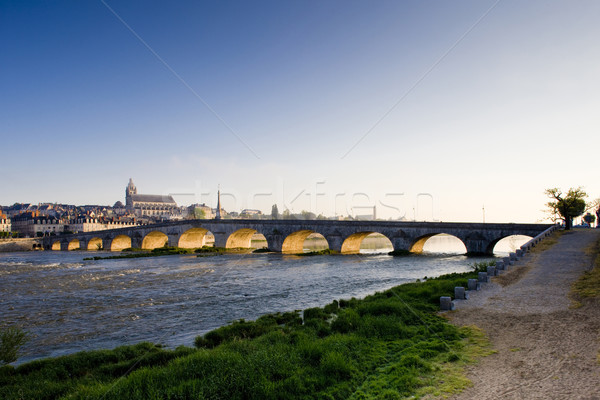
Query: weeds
482,266
588,285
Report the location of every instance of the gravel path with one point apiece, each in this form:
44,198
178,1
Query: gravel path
545,350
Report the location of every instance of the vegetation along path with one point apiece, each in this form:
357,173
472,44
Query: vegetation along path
543,320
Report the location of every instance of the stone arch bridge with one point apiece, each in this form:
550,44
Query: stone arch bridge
288,235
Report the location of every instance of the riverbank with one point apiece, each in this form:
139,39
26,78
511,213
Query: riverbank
20,244
387,344
545,334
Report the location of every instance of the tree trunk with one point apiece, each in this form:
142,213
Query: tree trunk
568,223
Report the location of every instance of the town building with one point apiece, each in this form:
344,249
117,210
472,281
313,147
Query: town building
32,224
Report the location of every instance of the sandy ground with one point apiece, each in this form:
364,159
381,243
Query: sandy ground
545,350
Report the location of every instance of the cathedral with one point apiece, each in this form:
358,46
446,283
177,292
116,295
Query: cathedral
149,205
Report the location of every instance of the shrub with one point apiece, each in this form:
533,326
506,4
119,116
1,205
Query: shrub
482,266
11,341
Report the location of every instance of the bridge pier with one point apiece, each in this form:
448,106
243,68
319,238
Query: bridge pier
173,240
274,241
335,242
221,239
83,244
136,242
401,243
479,247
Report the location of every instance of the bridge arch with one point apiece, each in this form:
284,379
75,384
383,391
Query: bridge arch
352,244
508,244
193,238
243,238
95,244
446,243
56,245
154,239
73,245
120,242
294,242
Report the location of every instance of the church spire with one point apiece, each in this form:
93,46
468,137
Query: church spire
218,216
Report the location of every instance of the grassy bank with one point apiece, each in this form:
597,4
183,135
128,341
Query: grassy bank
389,345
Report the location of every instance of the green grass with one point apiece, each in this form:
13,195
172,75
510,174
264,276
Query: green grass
318,253
56,377
158,252
588,285
169,251
392,344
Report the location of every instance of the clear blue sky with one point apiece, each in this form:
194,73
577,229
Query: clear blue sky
329,106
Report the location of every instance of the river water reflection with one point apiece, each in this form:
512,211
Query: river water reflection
69,305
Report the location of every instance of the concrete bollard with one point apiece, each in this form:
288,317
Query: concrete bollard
472,284
460,293
482,277
520,253
500,265
446,303
491,271
513,257
507,261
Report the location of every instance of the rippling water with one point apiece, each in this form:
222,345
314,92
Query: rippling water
69,305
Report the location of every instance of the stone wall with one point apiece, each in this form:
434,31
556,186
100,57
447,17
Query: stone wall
8,245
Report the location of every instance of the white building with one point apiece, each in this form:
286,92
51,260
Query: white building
93,224
5,225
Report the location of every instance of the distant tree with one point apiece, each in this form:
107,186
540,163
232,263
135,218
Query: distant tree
118,204
199,213
286,214
274,212
566,206
589,219
308,215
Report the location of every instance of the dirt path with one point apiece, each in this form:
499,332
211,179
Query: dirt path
545,350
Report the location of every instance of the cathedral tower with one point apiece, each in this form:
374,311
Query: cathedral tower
129,190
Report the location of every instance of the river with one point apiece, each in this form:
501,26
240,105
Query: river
68,304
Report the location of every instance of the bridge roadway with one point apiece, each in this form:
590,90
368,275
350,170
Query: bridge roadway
288,235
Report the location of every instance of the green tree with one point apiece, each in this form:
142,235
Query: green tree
199,213
589,219
566,206
274,212
308,215
11,341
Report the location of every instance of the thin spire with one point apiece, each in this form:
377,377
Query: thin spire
218,216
